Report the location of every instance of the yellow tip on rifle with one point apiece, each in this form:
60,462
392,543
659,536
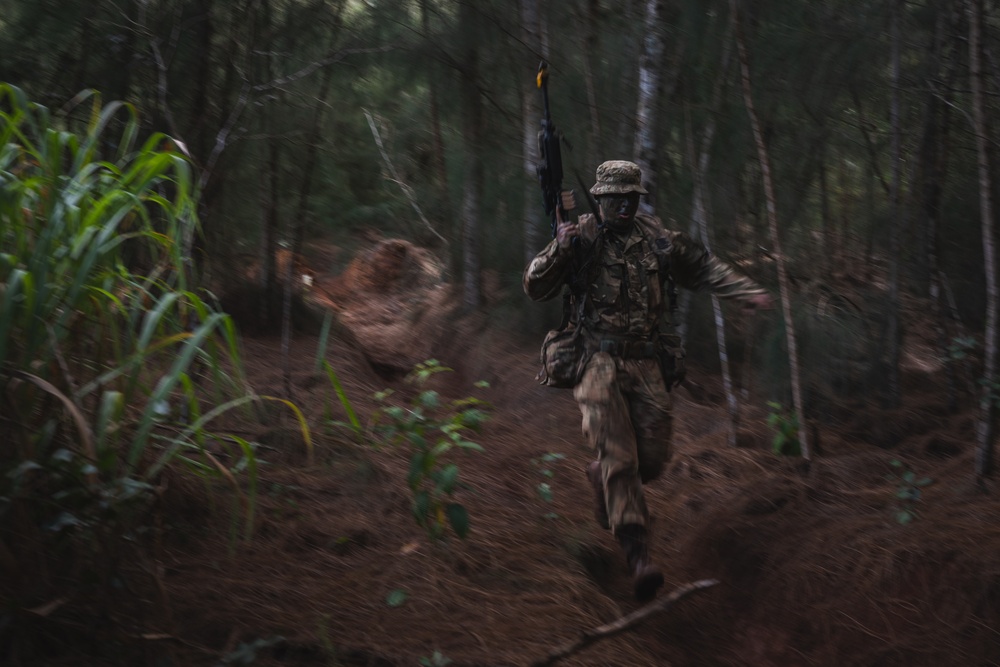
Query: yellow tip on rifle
543,71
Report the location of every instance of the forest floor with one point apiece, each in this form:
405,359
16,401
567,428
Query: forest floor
815,567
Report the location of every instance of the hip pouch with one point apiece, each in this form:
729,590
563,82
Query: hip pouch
670,353
562,357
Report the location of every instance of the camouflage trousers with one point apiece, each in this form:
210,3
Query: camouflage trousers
627,422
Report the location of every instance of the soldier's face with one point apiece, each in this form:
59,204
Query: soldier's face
619,210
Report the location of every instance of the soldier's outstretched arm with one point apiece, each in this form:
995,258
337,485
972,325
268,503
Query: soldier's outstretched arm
695,268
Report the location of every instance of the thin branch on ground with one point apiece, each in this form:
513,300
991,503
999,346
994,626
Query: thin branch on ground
624,623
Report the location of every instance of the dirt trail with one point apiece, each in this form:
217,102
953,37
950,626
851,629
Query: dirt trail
815,568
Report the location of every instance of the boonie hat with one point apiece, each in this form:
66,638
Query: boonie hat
618,177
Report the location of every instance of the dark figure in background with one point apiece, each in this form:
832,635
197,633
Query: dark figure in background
618,270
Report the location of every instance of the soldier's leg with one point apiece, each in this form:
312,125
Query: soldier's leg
608,429
650,410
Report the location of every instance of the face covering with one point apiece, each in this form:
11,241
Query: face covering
619,210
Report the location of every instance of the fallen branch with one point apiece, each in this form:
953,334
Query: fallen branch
624,623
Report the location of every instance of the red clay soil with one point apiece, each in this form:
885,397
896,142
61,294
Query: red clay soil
815,569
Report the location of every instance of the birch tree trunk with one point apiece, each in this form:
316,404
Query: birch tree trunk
650,87
984,429
772,217
700,217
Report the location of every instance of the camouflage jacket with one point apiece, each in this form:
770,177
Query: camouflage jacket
625,276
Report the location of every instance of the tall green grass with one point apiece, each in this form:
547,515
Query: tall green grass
107,351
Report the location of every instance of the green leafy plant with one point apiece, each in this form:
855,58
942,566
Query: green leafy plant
786,430
437,659
543,464
432,429
907,491
396,597
353,424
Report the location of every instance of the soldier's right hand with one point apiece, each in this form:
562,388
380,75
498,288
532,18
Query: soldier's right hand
566,231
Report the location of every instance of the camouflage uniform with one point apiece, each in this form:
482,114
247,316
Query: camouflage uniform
619,306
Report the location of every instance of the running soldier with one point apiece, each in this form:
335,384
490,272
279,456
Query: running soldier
614,349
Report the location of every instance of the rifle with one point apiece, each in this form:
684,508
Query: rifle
550,170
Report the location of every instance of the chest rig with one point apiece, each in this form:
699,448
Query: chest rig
620,288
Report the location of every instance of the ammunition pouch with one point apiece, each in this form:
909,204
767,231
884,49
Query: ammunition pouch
562,357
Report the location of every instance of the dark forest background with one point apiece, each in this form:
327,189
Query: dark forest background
329,119
417,118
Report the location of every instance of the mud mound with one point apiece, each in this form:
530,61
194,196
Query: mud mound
394,302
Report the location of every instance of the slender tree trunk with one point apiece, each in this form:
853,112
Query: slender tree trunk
472,111
827,258
590,55
300,221
438,163
315,136
650,88
231,99
82,69
119,81
700,217
984,428
873,150
844,252
699,213
198,120
772,215
707,137
934,160
269,191
894,325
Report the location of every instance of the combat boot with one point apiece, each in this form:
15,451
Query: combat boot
600,502
646,577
